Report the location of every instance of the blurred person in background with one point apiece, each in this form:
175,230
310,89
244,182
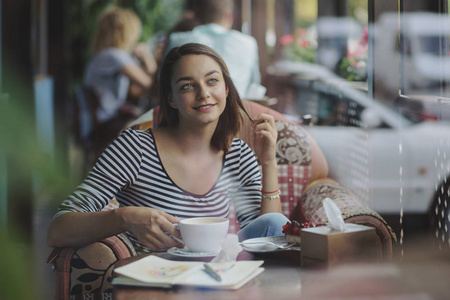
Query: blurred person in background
158,43
121,69
239,50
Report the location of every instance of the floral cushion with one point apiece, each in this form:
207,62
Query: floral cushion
293,146
321,189
86,272
352,209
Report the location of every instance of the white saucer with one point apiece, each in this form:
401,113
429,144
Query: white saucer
251,245
184,252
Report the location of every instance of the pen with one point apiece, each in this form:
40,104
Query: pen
212,273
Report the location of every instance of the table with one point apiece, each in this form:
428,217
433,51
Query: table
414,276
270,284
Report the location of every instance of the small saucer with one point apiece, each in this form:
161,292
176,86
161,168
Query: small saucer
257,245
184,252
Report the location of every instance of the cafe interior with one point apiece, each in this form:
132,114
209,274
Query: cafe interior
364,83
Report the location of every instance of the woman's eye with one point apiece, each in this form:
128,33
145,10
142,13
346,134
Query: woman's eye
186,86
213,80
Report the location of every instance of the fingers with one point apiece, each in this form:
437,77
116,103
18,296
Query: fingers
154,231
264,124
165,229
159,239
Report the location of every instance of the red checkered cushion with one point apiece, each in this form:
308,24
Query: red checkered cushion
294,169
292,179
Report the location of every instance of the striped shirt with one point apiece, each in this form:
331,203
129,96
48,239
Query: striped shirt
131,170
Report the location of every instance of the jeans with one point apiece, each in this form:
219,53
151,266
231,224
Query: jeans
270,224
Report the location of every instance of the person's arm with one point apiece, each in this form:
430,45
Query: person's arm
150,226
142,76
146,58
265,139
79,221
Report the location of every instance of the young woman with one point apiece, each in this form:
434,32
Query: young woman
190,165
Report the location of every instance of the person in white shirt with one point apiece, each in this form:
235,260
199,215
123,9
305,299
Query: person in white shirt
239,50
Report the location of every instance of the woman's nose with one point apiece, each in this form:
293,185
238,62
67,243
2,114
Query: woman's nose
202,93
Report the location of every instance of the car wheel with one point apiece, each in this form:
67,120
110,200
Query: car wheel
439,217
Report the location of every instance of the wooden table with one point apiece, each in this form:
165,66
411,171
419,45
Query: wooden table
268,285
421,274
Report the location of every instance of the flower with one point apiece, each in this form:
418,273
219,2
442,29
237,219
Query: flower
294,227
286,39
298,47
354,66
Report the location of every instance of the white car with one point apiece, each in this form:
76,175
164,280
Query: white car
391,163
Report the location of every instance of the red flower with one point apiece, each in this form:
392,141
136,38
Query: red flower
304,43
294,227
286,39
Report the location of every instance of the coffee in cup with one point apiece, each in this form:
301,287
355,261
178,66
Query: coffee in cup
204,234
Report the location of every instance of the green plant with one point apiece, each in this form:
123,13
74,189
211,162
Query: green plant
353,69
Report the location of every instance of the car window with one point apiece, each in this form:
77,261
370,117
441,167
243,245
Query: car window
338,110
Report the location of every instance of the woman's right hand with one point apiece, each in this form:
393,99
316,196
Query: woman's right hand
151,227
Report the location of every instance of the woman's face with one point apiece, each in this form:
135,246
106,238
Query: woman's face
198,90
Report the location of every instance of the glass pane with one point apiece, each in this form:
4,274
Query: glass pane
424,53
337,42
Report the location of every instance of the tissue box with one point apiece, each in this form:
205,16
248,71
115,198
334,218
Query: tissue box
323,245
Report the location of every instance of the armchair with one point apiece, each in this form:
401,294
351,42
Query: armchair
302,171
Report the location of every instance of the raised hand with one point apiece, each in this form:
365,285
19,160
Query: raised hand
265,138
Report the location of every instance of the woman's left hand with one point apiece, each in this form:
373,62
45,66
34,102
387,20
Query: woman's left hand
265,138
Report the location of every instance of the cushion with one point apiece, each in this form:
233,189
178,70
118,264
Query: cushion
294,170
292,144
321,189
292,180
87,271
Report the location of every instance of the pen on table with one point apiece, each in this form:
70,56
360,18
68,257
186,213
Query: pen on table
212,273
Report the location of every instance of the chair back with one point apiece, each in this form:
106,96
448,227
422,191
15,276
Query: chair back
87,103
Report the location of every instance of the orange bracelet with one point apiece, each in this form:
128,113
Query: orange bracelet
262,192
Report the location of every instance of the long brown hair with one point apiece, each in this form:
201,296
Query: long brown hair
231,119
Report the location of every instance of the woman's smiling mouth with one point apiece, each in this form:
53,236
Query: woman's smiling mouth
204,107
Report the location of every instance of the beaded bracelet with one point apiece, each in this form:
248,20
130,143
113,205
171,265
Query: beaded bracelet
273,196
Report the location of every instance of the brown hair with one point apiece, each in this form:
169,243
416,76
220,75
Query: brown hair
211,11
117,28
231,119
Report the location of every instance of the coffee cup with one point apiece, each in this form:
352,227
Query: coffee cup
204,234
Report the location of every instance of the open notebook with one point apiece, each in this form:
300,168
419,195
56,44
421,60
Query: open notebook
153,271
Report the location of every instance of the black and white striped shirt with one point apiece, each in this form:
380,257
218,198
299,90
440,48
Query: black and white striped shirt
131,170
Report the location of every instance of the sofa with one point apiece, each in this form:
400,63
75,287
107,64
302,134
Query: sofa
85,273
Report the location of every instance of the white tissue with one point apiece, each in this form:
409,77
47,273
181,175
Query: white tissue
334,215
230,249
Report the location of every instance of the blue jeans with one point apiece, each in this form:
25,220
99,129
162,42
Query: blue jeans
270,224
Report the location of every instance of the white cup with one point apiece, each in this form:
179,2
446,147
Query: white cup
204,234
